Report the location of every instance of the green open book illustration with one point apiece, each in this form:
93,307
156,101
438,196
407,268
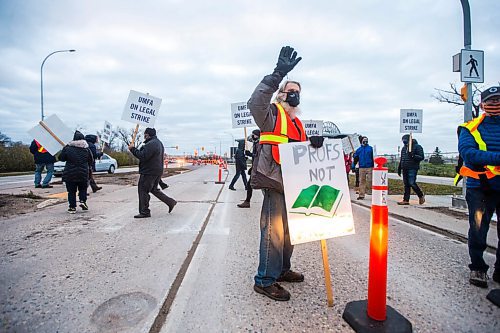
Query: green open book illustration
317,200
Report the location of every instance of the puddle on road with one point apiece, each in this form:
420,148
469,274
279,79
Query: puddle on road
123,311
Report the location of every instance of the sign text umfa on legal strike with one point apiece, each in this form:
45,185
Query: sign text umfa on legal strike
242,113
307,154
145,109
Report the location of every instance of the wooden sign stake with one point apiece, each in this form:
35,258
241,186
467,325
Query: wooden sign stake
135,134
51,133
326,267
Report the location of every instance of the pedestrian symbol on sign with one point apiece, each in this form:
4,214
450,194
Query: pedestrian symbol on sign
473,66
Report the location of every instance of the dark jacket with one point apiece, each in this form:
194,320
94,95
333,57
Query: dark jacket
78,161
91,140
41,158
240,158
411,161
364,155
476,159
150,157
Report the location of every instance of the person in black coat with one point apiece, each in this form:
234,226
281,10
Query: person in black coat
78,158
150,157
408,167
241,165
91,141
254,138
43,159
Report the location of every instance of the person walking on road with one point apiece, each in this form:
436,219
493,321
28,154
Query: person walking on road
78,158
254,138
479,147
91,141
241,165
364,157
408,167
278,123
43,159
150,157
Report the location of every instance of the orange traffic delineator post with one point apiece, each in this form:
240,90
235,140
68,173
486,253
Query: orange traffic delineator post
374,315
220,175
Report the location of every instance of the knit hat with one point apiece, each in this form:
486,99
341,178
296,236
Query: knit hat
78,136
256,132
150,131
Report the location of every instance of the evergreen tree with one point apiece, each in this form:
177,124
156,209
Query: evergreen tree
436,157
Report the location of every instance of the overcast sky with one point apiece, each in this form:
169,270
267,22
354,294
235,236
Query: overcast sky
362,62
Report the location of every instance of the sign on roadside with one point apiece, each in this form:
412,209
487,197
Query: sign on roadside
316,191
350,143
472,66
52,134
411,121
313,127
141,109
241,116
106,132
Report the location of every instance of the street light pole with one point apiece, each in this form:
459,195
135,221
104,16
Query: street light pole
467,46
41,76
468,102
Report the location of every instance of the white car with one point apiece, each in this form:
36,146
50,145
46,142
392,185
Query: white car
105,163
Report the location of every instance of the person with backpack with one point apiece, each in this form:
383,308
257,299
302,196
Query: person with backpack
479,147
91,141
408,167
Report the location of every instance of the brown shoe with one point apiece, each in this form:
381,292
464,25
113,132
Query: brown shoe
403,203
421,200
291,276
244,204
274,291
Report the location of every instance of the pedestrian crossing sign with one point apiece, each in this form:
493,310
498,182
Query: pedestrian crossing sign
472,66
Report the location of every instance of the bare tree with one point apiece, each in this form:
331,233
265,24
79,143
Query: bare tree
453,96
113,137
125,135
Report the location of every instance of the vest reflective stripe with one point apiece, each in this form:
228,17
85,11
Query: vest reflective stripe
490,170
272,139
280,134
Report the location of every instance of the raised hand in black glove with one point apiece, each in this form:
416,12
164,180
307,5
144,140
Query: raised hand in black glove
316,141
286,60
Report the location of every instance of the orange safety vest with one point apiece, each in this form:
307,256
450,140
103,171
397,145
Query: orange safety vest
284,132
489,171
40,148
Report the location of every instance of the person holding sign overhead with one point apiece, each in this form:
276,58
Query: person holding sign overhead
150,157
278,123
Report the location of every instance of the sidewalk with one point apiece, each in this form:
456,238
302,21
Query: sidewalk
436,215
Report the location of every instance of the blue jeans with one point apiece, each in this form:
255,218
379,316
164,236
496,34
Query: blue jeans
38,173
275,247
71,187
236,176
410,182
481,208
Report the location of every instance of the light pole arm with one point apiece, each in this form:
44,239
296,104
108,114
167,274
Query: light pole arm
41,76
467,34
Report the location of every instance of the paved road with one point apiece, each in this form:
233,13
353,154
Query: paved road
103,271
13,182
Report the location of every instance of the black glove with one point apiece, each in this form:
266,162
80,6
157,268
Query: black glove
399,171
411,155
286,60
316,141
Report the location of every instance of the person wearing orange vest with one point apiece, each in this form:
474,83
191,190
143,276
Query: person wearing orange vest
479,146
43,159
278,124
